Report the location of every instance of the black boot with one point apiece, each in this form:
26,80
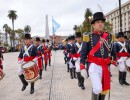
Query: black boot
45,67
121,77
95,96
23,81
101,97
124,78
40,74
49,62
82,82
79,80
74,73
32,88
71,73
68,68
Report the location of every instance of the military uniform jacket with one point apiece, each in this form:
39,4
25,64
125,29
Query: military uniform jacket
90,41
28,53
122,49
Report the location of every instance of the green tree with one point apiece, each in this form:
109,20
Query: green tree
13,16
5,28
108,27
88,18
27,29
9,31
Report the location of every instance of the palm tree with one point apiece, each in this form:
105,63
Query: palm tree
9,31
20,34
13,16
87,16
5,28
27,29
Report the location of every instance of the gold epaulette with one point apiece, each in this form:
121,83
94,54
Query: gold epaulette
114,37
86,38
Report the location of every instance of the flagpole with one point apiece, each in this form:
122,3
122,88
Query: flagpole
53,32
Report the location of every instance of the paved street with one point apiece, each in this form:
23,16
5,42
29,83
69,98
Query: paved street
55,85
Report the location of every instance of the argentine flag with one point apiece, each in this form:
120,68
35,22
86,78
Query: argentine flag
55,26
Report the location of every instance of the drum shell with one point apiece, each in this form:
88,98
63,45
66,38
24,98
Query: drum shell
31,73
127,66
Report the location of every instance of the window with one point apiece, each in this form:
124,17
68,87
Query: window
129,28
127,7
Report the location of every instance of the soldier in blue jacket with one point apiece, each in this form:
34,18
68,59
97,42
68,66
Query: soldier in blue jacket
70,57
98,50
123,52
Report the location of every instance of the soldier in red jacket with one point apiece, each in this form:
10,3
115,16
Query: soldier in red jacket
45,53
49,46
40,51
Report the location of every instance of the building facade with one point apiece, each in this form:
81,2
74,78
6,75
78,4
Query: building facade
114,18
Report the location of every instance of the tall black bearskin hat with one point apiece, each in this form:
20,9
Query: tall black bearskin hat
66,39
78,34
38,39
47,40
120,34
69,37
43,41
98,16
72,37
125,37
27,36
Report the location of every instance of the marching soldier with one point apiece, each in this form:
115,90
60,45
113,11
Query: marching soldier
70,55
76,57
45,53
1,59
28,53
122,50
40,51
99,52
49,51
65,51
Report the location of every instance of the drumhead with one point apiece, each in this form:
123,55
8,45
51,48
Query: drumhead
127,62
28,64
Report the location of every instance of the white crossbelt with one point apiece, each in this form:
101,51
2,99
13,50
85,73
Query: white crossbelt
123,46
79,47
26,50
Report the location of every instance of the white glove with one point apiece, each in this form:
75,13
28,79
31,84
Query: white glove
74,58
20,62
84,74
35,59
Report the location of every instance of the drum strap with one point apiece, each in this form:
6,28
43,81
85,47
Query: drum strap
79,47
123,46
39,46
26,50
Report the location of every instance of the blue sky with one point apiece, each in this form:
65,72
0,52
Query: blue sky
66,12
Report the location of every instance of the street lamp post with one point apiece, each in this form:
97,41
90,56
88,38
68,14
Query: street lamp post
120,15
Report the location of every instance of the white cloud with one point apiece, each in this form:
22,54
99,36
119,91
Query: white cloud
66,13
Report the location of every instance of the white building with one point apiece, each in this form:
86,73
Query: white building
114,19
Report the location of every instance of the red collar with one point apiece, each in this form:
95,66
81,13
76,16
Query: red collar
98,33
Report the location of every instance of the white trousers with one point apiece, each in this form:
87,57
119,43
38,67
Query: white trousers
95,73
121,64
70,64
20,71
77,65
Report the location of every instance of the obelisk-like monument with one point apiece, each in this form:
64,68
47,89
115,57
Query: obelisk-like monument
47,28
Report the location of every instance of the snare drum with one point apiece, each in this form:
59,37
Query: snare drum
2,74
127,63
31,71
